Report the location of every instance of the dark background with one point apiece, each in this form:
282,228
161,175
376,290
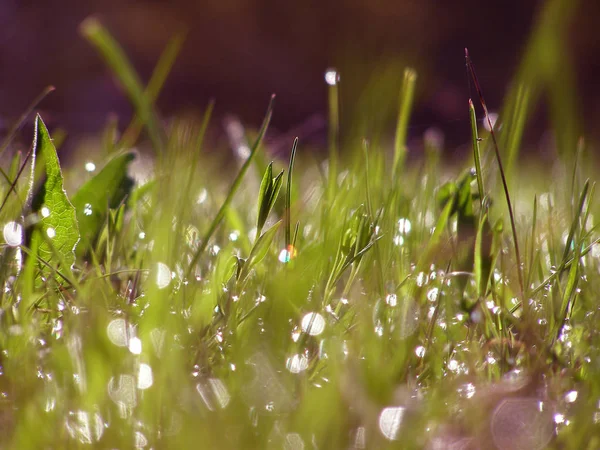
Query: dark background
239,52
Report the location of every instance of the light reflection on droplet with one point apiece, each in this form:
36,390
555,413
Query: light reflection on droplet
234,235
90,166
287,254
432,294
121,390
145,378
13,234
202,196
404,226
140,440
117,332
135,345
391,299
163,275
313,324
420,351
390,420
87,209
520,423
51,232
293,441
45,211
422,279
297,363
559,418
493,119
332,77
220,391
84,428
571,396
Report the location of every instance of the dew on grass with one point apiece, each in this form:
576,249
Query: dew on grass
467,390
90,166
234,236
13,234
45,211
51,232
121,390
422,279
87,209
332,77
293,441
84,427
493,118
163,275
202,196
287,254
390,420
571,396
117,332
391,299
522,423
135,345
432,294
420,351
404,226
145,377
140,441
313,324
297,363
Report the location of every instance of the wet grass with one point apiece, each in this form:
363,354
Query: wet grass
366,304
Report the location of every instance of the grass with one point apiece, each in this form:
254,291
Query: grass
377,304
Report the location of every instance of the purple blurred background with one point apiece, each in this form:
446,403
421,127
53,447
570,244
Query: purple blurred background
239,52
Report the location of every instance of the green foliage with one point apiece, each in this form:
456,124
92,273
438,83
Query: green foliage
57,233
393,316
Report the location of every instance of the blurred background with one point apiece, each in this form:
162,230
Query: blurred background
238,52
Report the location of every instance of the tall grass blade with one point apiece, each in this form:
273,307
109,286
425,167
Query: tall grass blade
405,106
232,190
288,196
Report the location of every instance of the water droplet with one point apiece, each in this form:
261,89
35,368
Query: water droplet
45,211
391,299
432,294
145,378
420,351
313,324
571,396
332,77
87,209
287,254
234,235
163,275
135,345
142,235
297,363
202,196
90,166
51,232
13,234
390,420
404,226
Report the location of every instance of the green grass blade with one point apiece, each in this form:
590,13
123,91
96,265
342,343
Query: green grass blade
288,196
234,187
117,61
156,83
476,151
405,106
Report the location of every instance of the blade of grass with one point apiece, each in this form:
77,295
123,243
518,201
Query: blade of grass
156,83
232,190
288,196
117,61
476,151
471,70
406,100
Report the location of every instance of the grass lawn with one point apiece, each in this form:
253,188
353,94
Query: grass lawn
361,303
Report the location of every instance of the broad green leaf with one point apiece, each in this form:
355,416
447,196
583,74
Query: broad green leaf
107,189
58,219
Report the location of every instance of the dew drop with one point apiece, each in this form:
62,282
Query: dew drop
13,234
313,324
332,77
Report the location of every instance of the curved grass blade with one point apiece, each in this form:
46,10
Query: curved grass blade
157,81
117,61
406,100
232,190
288,196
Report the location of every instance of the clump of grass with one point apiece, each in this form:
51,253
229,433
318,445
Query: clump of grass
394,314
